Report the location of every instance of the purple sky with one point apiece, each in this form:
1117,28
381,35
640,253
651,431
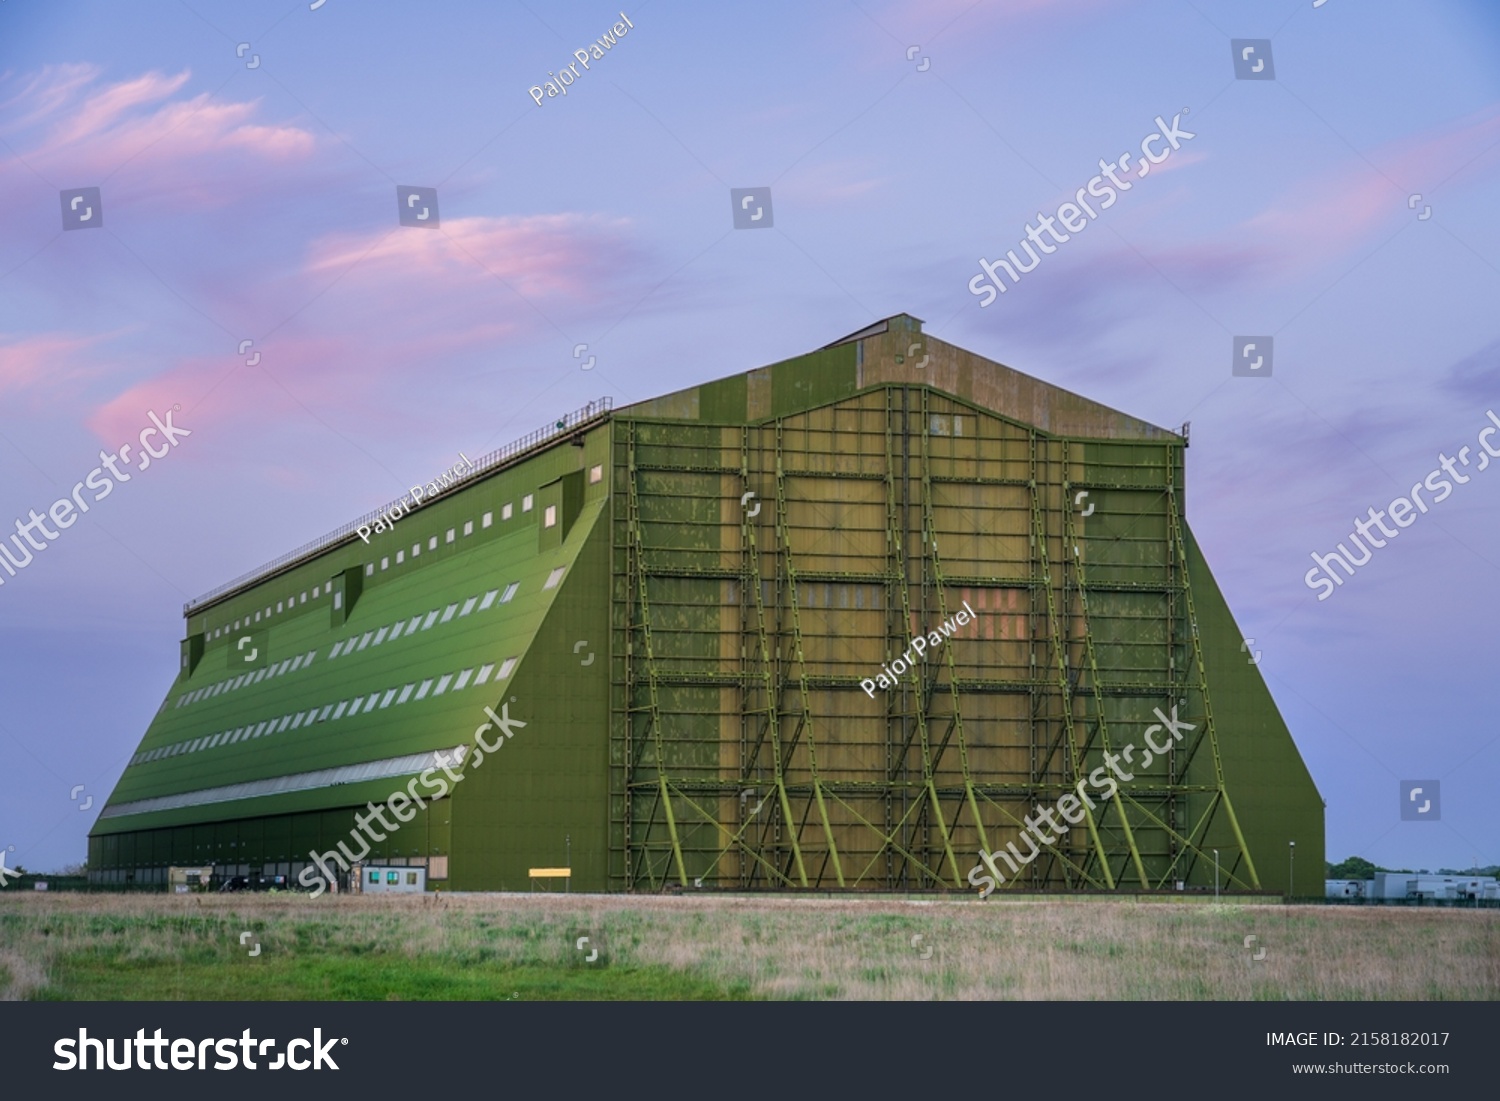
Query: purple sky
260,204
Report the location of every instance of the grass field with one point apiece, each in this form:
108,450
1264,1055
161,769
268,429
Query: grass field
524,947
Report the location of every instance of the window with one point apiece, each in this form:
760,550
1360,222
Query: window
450,535
553,578
489,598
423,690
442,684
385,563
505,512
392,877
549,517
284,721
468,606
380,635
303,600
411,879
468,527
356,705
396,630
406,692
431,619
369,569
338,601
296,720
365,641
338,712
487,519
484,674
526,503
400,557
432,543
448,612
257,617
385,701
505,667
278,606
323,715
416,549
596,474
374,877
268,611
370,703
337,646
412,626
510,591
463,679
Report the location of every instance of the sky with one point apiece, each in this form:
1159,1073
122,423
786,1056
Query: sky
248,157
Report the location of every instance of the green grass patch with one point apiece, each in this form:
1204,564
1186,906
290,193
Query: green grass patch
103,976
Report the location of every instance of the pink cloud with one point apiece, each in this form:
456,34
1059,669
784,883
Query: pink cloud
28,361
1336,211
94,130
550,254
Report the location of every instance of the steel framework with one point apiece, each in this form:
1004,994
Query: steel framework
762,572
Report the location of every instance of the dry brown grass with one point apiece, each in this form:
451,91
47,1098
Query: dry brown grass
814,948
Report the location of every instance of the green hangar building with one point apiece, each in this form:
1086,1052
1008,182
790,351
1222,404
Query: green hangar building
692,624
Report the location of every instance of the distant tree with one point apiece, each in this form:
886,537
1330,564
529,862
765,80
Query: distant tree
1356,867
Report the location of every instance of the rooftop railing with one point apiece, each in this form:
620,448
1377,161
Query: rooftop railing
593,411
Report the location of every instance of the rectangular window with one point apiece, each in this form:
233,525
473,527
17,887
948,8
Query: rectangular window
338,712
487,519
284,721
484,674
257,617
337,646
505,667
450,536
489,598
553,578
385,701
338,601
463,679
296,720
312,713
448,612
432,543
406,692
370,703
510,591
431,619
355,706
396,630
468,527
400,557
296,663
468,606
416,550
278,606
364,641
369,569
442,684
385,563
259,730
323,715
505,512
596,474
303,600
380,635
423,690
549,517
412,626
526,503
